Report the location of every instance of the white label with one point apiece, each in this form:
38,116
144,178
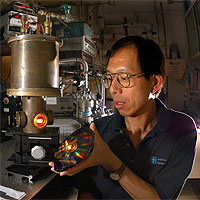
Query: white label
15,22
51,100
6,109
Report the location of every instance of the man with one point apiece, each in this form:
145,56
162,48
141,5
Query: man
144,150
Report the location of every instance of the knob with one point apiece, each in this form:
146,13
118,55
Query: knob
38,152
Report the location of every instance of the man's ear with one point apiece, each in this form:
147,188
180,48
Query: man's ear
158,81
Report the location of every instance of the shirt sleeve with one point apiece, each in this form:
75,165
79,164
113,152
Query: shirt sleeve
171,179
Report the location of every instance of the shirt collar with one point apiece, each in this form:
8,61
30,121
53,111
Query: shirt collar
163,123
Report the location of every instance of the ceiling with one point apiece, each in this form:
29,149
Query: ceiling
56,3
123,5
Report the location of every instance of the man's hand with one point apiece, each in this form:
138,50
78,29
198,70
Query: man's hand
101,155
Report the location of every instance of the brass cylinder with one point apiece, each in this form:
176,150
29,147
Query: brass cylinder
32,106
50,116
23,21
47,25
34,65
21,119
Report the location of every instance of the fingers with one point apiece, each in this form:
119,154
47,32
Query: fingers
93,127
65,172
51,164
70,171
87,162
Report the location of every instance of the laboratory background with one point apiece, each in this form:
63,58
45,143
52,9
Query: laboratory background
53,55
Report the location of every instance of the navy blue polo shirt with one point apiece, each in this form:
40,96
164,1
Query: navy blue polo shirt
164,157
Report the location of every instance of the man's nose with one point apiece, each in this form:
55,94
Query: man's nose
115,88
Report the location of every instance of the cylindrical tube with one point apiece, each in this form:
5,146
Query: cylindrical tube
34,65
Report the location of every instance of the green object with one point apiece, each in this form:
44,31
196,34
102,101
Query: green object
65,7
76,29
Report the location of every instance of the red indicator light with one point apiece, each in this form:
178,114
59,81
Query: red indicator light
40,120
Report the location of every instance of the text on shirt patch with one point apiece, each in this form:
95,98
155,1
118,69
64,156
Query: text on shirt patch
157,161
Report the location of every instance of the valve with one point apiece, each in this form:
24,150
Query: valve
38,152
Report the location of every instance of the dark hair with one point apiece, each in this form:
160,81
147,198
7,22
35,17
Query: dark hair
150,56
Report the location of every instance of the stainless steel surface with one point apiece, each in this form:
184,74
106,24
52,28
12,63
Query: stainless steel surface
34,64
83,43
84,109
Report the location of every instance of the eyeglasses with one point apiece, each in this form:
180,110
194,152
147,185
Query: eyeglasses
123,79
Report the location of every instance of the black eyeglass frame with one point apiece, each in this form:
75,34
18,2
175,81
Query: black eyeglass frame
117,74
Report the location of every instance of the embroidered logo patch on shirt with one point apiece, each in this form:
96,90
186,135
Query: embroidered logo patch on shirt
154,160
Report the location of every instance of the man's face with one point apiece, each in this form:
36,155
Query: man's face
131,101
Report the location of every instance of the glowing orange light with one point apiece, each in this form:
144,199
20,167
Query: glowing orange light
40,120
71,147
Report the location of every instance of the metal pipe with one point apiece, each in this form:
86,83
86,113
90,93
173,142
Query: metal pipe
85,69
66,25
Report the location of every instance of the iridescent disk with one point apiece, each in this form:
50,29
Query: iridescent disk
75,147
